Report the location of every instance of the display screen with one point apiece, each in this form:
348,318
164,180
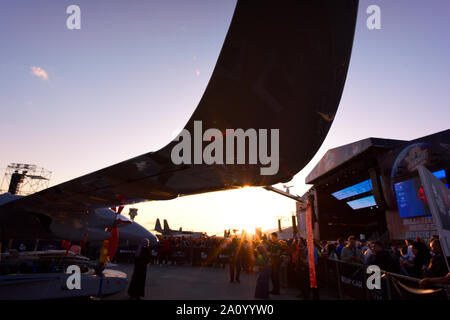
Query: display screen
410,195
440,174
362,203
359,188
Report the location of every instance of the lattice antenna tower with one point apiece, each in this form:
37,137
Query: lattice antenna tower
25,179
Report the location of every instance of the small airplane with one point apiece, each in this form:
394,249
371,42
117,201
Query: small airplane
176,233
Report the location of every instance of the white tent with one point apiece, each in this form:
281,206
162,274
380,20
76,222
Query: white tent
286,233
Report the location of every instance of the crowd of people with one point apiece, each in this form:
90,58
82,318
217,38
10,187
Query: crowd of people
416,259
285,262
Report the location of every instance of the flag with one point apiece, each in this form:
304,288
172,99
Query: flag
438,198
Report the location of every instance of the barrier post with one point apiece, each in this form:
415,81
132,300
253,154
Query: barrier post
324,274
388,286
366,290
338,276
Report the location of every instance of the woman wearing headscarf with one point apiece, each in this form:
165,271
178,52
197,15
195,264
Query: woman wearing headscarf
142,259
420,262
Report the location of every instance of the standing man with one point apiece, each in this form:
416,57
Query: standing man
235,260
275,253
437,266
165,251
350,253
340,246
136,290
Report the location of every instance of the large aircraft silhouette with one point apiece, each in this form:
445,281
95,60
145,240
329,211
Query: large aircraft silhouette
166,231
282,66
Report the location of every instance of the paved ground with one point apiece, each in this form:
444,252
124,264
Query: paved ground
196,283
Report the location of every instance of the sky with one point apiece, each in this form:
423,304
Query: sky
75,101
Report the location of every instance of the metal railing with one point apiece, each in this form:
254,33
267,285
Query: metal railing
349,280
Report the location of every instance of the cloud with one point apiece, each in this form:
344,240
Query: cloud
40,73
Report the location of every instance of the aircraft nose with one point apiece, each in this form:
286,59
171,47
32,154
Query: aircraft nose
153,239
135,232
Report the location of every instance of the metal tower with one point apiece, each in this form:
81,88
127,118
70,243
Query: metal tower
24,179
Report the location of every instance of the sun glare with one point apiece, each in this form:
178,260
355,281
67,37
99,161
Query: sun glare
244,208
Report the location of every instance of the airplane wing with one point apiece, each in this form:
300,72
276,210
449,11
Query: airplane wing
282,66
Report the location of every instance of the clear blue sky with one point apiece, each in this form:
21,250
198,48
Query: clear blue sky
131,77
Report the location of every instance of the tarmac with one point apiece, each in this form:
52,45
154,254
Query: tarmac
169,282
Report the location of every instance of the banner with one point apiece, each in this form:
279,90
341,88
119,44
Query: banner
352,280
310,242
437,196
